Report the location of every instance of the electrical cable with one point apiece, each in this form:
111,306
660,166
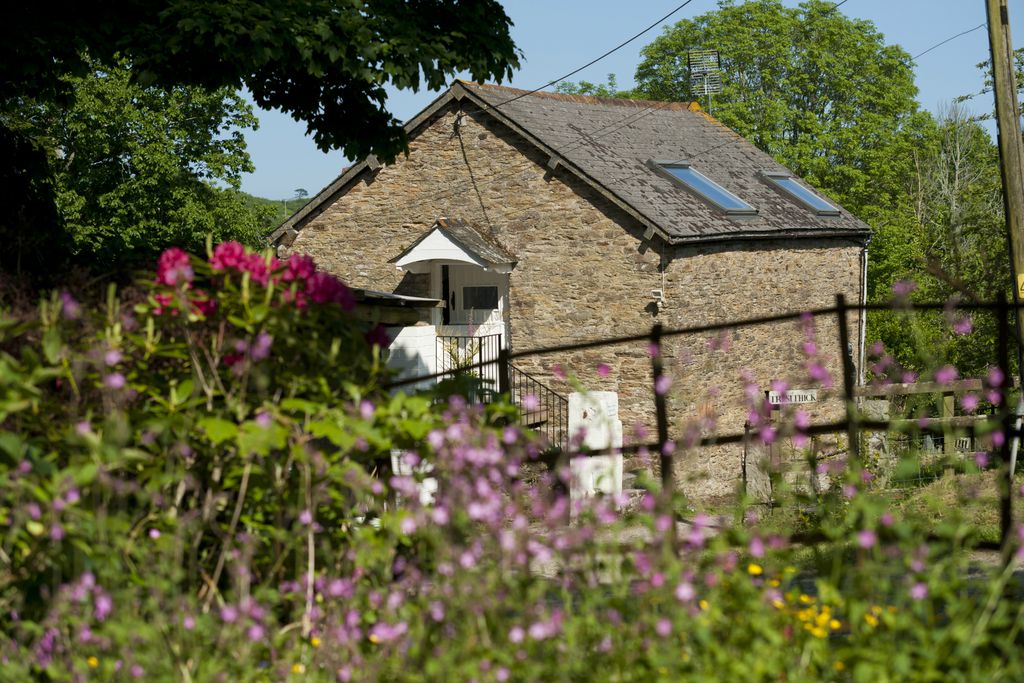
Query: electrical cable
940,44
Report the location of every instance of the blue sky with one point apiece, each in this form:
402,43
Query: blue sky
557,36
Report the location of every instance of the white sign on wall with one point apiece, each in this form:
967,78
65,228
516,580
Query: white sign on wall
793,396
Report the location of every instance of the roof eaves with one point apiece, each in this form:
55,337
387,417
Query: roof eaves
858,235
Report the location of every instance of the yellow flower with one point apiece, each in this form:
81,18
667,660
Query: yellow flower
876,610
298,668
92,662
754,569
374,638
806,599
789,570
834,624
818,632
703,604
871,619
774,583
778,604
838,666
314,641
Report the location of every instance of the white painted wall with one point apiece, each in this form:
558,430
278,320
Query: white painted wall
413,352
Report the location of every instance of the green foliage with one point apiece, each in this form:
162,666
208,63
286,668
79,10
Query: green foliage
609,89
322,61
137,169
819,91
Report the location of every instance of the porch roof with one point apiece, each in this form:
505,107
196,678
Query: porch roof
455,241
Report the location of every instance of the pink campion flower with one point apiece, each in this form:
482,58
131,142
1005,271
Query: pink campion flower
996,377
819,374
112,357
981,459
264,419
530,402
867,539
969,402
685,592
174,268
886,519
653,350
83,428
903,288
228,255
998,439
878,348
962,326
802,420
768,433
994,396
603,369
56,532
114,380
298,267
662,385
154,534
810,348
946,374
558,371
255,632
919,591
849,490
516,634
305,518
757,547
408,525
229,614
102,605
70,309
261,347
908,377
663,628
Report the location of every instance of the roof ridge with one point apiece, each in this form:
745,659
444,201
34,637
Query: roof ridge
585,99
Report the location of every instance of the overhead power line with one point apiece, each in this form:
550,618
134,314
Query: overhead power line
941,43
593,61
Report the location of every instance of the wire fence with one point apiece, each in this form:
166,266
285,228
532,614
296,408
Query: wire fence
921,436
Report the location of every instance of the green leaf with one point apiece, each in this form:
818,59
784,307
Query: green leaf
218,430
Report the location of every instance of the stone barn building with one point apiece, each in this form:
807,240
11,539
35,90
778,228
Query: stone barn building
542,219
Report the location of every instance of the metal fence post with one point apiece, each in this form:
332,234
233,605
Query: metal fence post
1005,421
852,427
503,378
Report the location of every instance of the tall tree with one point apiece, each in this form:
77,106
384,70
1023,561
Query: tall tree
814,88
325,62
137,169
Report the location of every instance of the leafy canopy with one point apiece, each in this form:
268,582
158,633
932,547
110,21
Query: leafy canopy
324,62
137,169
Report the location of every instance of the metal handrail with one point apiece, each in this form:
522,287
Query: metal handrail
550,415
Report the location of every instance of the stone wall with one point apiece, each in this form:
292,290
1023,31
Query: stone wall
585,272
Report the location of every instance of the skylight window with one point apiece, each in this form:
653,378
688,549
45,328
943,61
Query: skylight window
706,188
789,186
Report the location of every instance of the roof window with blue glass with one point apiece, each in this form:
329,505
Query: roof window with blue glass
704,187
789,186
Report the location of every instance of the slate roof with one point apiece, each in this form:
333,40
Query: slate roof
483,245
608,142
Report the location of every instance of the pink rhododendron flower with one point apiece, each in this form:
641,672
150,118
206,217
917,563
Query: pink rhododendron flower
174,268
919,591
228,255
298,267
323,288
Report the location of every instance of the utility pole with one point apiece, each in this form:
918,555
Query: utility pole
1011,145
1011,158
